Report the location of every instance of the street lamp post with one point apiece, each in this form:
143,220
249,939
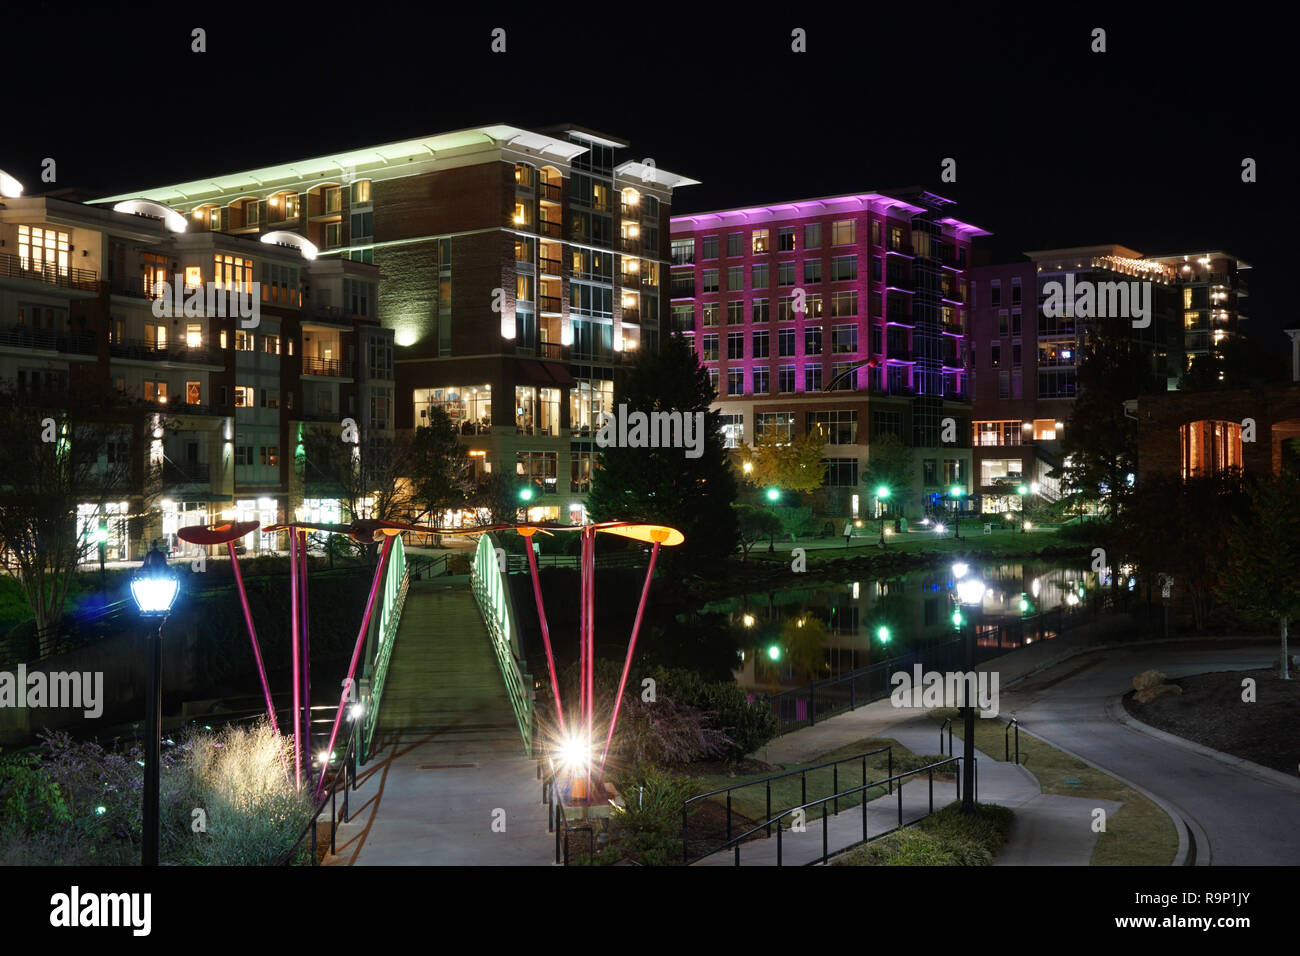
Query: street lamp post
154,589
774,496
956,493
882,495
970,592
1022,491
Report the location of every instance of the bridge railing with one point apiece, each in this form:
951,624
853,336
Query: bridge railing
379,643
492,592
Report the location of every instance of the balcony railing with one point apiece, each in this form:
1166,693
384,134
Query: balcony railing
551,267
630,210
146,351
631,313
186,472
20,336
135,287
337,368
902,248
551,228
19,267
549,191
630,243
630,279
550,303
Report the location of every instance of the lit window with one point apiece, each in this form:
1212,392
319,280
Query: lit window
361,191
193,277
193,336
244,396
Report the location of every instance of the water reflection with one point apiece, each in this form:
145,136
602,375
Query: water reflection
795,635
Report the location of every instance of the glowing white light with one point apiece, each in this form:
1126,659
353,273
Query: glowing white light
356,710
154,594
575,753
959,570
308,249
748,619
173,220
1071,598
939,529
10,188
970,590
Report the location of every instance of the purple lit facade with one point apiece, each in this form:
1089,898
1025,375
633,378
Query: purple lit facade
878,347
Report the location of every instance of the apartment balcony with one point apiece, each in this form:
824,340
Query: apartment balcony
145,351
48,340
333,315
17,267
186,473
326,368
549,192
630,210
550,227
953,295
630,244
631,313
901,283
551,267
551,304
134,287
902,249
631,280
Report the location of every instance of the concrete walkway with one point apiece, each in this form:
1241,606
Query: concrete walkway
1049,830
449,784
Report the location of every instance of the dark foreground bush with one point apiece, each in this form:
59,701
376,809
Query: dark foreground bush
945,838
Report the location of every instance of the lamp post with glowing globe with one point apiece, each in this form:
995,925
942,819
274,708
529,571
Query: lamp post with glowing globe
153,588
970,594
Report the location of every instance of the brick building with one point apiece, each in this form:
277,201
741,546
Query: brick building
877,347
518,269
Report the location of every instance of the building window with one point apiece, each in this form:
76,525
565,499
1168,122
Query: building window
43,250
733,430
762,385
841,472
735,345
785,273
844,268
710,313
785,239
735,244
244,396
736,312
1045,429
844,338
812,235
886,422
709,280
735,278
1210,448
812,270
995,470
762,310
709,247
539,468
361,192
683,251
736,381
760,241
785,379
838,427
812,340
844,305
785,343
709,347
193,393
760,343
759,277
776,424
812,377
995,293
844,232
997,433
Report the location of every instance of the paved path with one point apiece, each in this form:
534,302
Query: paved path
1049,830
451,762
1235,816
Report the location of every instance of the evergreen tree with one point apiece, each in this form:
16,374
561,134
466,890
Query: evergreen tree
663,485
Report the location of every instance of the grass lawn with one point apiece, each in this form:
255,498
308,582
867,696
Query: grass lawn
787,793
945,838
1138,834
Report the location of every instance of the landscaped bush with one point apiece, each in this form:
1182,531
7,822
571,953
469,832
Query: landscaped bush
76,803
666,733
945,838
749,724
648,828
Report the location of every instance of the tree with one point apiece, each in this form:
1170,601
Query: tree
663,485
889,465
59,460
1261,565
406,478
789,463
1100,440
755,525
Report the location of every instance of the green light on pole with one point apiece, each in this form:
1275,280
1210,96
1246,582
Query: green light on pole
956,491
956,618
1022,490
525,494
774,652
774,494
1024,605
882,492
882,632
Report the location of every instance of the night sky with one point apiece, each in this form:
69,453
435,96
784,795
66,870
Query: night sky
1055,145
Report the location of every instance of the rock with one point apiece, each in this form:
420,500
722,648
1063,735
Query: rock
1150,684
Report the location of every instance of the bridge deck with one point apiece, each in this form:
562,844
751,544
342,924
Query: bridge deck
448,756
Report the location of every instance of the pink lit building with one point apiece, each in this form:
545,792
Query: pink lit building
845,315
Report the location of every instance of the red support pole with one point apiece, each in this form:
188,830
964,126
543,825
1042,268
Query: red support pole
627,664
252,636
591,648
297,680
306,647
582,630
356,650
546,635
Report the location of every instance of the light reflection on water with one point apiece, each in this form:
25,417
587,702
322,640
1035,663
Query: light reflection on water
794,635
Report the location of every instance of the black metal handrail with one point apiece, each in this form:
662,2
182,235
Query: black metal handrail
557,820
767,781
928,769
947,723
19,267
347,768
20,336
320,366
1006,742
